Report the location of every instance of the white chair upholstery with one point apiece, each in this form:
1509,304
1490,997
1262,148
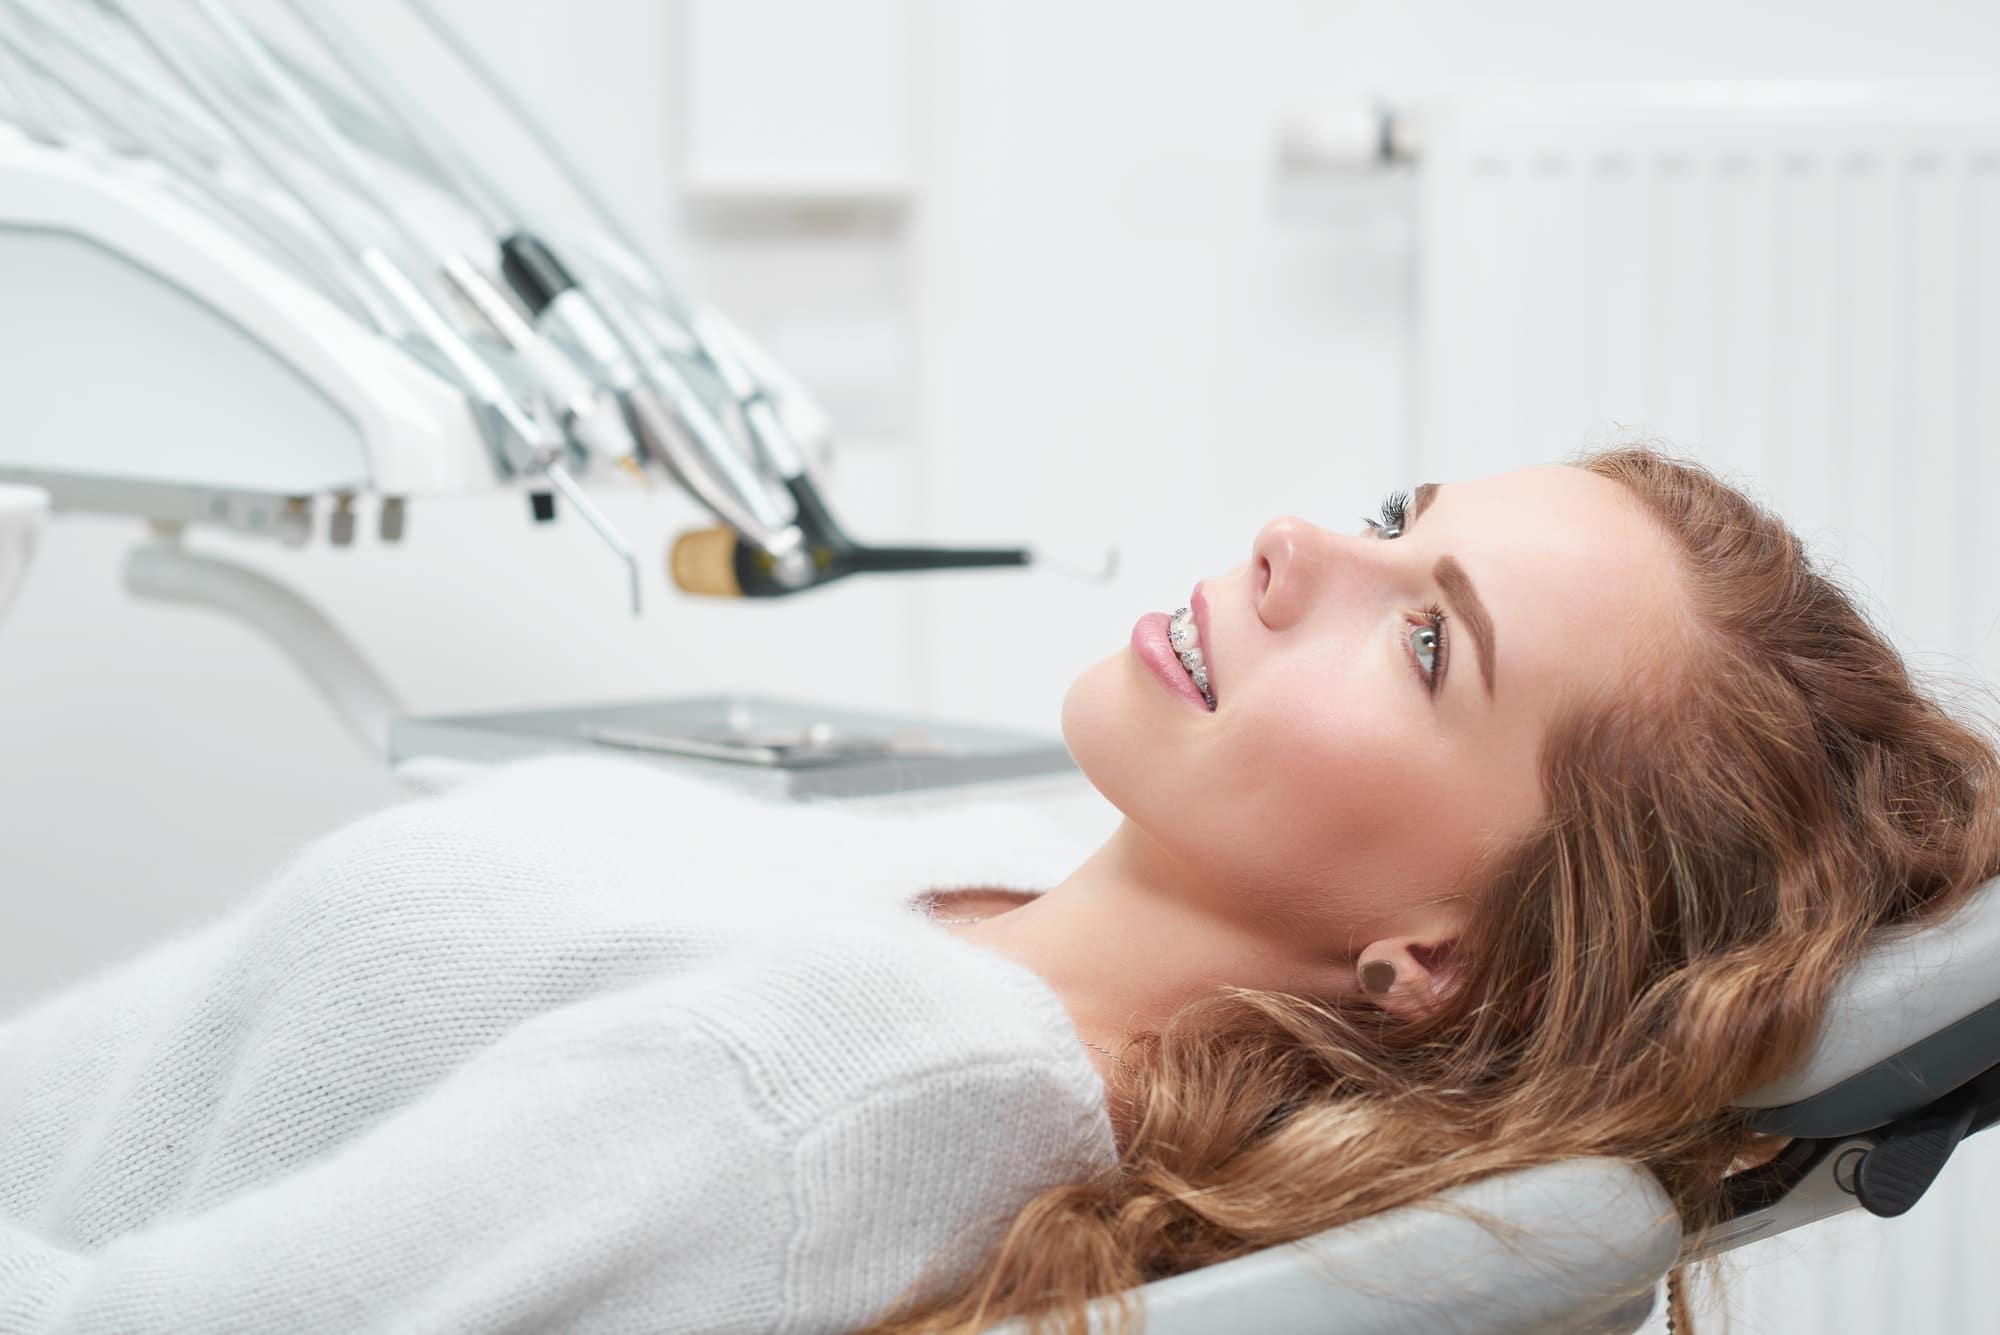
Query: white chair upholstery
1918,1017
1579,1248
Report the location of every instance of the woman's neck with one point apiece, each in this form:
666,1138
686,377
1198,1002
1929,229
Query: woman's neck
1130,937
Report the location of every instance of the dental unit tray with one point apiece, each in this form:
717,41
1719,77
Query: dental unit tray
771,747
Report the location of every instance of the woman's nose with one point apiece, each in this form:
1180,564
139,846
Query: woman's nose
1290,562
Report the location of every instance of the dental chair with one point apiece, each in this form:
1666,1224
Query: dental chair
362,355
1906,1066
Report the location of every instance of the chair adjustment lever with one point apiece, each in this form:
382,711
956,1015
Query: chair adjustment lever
1894,1175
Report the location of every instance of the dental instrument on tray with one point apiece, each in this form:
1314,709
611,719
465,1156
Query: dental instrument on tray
317,304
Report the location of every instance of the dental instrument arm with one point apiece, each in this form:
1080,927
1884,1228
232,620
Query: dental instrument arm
524,440
708,561
675,424
199,169
182,159
526,444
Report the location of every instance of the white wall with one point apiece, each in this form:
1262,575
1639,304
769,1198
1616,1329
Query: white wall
1096,320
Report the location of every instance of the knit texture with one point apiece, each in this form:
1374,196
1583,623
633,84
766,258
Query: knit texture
579,1046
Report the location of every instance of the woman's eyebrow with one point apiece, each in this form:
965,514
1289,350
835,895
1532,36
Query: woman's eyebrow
1451,577
1457,586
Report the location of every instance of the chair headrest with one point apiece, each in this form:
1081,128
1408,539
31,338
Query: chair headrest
1562,1246
1917,1017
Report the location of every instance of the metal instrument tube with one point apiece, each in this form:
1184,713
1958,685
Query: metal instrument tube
528,448
584,414
666,411
331,144
171,115
328,270
419,128
665,291
734,487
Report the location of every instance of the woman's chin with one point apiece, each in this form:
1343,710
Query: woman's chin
1079,703
1105,723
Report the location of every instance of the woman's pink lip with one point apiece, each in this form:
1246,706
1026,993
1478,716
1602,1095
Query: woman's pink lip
1149,644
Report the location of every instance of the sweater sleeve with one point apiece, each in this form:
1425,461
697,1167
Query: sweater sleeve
778,1142
602,1167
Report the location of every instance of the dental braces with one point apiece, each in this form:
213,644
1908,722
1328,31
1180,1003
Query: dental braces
1186,641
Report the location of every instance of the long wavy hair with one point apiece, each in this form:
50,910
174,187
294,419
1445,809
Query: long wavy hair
1719,846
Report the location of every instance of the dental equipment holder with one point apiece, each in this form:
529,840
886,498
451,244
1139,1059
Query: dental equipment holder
298,338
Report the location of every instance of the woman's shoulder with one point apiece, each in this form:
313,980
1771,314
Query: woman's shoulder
834,1013
944,1074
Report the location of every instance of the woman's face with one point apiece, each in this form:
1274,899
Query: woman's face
1362,756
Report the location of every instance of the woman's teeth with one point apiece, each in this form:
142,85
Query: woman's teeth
1186,640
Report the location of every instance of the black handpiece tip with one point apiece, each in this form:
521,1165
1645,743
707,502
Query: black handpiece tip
533,271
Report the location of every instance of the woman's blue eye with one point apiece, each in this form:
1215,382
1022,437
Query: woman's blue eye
1427,647
1424,640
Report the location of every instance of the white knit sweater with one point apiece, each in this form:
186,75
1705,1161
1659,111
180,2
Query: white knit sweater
544,1054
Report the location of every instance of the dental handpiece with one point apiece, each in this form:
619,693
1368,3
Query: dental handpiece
672,419
720,562
560,382
584,414
684,431
536,273
588,419
759,410
717,563
711,562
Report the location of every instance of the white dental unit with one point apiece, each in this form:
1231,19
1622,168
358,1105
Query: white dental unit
241,298
238,297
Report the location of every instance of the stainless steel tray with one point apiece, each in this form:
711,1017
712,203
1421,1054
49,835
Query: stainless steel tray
777,747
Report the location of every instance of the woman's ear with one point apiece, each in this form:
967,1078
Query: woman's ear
1407,976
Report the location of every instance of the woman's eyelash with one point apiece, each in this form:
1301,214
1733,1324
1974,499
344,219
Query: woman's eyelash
1395,513
1395,509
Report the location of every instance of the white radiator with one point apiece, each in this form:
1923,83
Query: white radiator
1803,289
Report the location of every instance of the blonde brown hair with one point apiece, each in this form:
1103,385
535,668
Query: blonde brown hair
1719,844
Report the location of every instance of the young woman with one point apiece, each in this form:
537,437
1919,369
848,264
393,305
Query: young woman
1535,818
